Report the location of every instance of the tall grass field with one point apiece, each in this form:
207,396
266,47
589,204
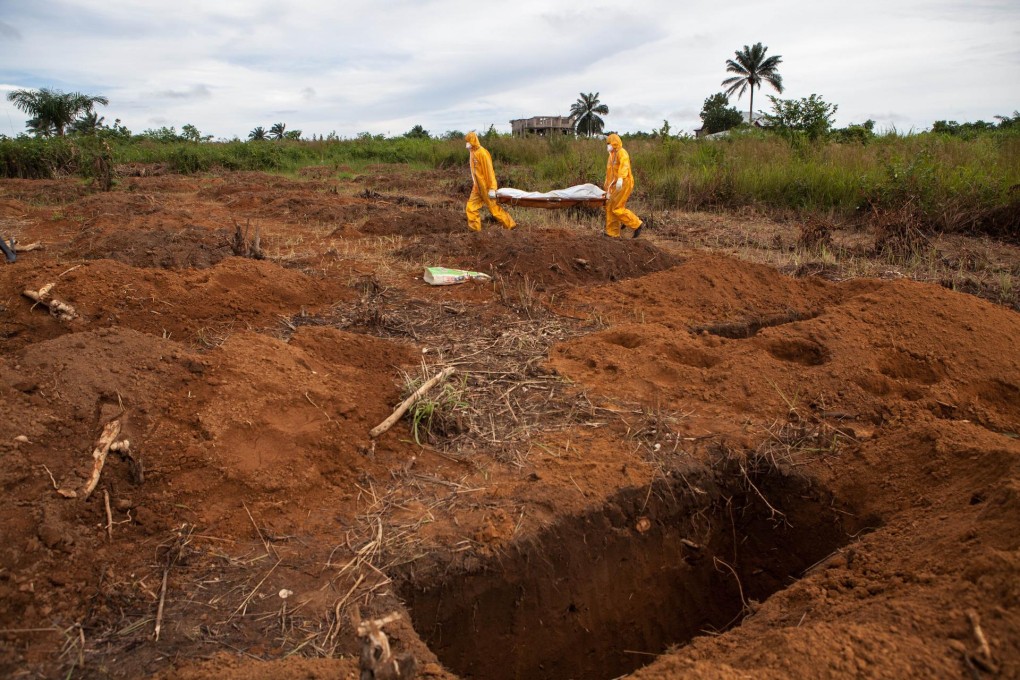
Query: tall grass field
944,182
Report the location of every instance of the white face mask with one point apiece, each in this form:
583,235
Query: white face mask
609,148
468,145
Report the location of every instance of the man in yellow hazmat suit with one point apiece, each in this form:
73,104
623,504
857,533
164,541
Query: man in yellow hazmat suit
484,190
619,185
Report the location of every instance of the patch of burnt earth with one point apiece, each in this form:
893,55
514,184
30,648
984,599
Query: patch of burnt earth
551,257
189,248
598,595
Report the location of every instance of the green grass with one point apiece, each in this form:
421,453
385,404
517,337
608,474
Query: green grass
948,183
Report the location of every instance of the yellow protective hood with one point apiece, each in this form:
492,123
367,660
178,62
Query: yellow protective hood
472,139
614,141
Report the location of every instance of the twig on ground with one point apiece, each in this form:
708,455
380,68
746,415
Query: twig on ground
409,402
259,531
162,601
109,514
173,554
244,603
106,439
52,480
982,659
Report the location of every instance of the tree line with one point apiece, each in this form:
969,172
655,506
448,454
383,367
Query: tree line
54,113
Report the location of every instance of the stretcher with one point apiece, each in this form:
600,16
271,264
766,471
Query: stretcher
587,194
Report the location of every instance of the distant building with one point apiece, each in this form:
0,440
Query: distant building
543,126
700,132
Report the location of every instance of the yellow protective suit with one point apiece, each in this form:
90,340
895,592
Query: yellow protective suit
618,167
484,178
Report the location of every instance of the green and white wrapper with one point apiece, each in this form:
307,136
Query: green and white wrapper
444,276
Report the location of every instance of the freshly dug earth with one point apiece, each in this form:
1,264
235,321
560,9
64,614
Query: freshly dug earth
190,247
640,446
414,221
550,258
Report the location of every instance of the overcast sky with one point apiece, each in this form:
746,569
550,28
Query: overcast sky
383,66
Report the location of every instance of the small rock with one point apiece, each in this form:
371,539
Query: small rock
22,439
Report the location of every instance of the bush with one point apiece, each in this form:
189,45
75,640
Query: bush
36,158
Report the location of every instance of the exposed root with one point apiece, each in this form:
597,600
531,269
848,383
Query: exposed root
61,310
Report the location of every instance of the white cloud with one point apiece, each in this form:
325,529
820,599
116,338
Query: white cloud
231,65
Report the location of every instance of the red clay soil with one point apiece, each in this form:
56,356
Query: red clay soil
824,476
188,248
549,258
414,221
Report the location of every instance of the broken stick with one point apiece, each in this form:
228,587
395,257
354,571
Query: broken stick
110,433
162,601
409,402
109,514
61,310
984,649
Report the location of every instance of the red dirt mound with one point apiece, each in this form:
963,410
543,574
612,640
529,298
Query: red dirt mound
188,248
413,222
249,419
871,353
190,305
547,257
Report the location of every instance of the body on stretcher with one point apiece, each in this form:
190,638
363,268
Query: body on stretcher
561,198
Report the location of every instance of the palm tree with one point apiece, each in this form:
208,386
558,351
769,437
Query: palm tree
258,134
752,68
40,128
52,110
586,111
277,131
89,124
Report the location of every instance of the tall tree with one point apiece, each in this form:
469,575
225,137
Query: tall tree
717,115
52,110
417,132
752,67
587,112
258,134
278,130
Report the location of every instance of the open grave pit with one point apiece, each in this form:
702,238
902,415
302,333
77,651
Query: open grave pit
599,595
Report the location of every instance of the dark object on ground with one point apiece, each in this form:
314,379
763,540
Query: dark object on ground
8,250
